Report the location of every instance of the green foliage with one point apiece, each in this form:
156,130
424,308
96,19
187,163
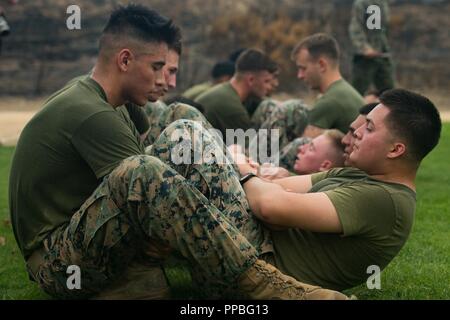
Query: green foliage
419,272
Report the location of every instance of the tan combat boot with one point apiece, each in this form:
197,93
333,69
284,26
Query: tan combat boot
263,281
139,282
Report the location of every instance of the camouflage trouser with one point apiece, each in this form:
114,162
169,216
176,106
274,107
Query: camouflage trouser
199,210
163,116
289,153
290,119
376,71
263,111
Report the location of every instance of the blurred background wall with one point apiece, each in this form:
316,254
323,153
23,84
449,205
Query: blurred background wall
41,54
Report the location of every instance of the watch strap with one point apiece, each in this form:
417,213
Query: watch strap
247,177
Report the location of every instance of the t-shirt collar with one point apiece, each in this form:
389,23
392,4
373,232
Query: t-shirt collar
97,87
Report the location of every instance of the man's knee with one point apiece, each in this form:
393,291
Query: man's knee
185,124
184,111
133,167
187,134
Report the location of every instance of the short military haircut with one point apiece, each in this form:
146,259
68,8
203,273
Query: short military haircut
365,109
177,46
318,45
223,68
415,119
138,23
335,136
337,154
252,60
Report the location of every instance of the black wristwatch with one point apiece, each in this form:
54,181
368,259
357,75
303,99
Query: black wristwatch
247,177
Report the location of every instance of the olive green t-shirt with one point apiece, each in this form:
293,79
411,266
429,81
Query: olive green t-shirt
138,116
337,107
376,218
62,155
195,91
224,109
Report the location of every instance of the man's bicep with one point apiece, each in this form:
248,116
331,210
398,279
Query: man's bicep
362,209
103,141
313,212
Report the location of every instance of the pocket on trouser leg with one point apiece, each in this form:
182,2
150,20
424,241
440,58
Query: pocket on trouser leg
99,241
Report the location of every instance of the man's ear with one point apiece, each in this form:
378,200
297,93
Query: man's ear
323,64
397,149
124,58
250,79
326,165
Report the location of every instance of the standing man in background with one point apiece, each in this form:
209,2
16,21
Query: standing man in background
372,61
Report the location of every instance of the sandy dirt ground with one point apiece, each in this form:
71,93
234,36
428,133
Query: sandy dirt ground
16,112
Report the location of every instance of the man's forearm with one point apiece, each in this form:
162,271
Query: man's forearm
257,190
298,184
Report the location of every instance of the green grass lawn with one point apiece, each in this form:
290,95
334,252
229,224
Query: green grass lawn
421,271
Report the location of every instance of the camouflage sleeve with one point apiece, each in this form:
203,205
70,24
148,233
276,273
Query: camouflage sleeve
357,28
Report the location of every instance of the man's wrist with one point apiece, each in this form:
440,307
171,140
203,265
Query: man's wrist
247,177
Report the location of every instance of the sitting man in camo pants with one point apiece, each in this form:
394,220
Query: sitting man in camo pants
83,193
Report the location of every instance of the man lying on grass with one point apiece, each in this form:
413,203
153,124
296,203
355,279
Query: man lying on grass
323,153
340,222
329,150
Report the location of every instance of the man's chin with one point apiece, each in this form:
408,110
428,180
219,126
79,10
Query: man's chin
297,168
155,97
351,162
140,103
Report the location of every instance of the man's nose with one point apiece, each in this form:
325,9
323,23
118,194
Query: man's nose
346,139
358,134
160,78
302,148
172,82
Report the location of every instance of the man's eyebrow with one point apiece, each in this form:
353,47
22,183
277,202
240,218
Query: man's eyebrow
368,120
159,63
